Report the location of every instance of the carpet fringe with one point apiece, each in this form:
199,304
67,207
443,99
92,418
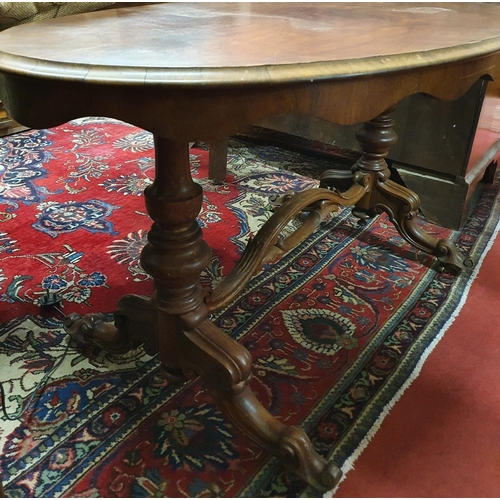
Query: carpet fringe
349,463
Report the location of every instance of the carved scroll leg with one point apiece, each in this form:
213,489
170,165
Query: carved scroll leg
225,367
134,326
401,204
175,321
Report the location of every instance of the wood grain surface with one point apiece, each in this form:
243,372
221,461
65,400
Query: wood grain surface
250,42
203,71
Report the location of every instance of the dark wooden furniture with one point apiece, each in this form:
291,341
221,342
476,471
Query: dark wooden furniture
8,125
189,72
5,120
444,148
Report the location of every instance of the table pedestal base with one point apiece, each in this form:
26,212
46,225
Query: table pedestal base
174,322
402,205
225,367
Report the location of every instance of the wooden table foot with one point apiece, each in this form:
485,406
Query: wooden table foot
402,205
225,366
174,322
134,326
217,160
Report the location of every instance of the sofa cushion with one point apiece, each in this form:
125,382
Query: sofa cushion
13,13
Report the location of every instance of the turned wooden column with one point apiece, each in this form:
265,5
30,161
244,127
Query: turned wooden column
188,342
175,253
376,137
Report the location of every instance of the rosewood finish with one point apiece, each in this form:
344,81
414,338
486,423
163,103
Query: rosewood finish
189,72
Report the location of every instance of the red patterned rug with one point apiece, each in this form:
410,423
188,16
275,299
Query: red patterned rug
337,329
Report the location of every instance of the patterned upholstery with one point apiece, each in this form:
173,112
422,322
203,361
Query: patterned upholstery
13,13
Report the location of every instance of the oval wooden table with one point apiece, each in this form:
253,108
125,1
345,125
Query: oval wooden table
189,72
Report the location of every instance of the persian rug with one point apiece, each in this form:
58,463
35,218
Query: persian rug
337,328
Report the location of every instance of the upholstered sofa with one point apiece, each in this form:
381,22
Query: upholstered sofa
13,13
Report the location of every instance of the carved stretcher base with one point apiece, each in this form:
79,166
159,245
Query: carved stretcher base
189,348
174,322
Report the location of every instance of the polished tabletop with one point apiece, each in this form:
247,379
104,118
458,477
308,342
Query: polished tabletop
202,71
234,43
